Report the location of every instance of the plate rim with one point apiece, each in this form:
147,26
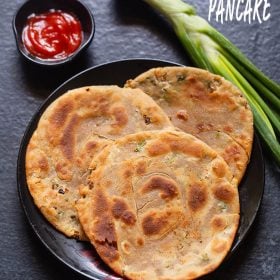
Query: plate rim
34,121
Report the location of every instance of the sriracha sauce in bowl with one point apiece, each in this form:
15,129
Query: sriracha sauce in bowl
51,33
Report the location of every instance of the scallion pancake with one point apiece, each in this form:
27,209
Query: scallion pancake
160,205
205,105
74,128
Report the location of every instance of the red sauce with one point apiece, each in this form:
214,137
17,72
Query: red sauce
52,35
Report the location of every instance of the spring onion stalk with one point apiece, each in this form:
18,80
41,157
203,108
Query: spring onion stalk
210,50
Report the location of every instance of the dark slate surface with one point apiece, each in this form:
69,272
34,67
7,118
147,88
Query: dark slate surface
124,29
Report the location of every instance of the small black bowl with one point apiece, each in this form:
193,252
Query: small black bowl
37,7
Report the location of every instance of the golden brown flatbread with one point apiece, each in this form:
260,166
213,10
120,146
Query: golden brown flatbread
160,205
205,105
73,128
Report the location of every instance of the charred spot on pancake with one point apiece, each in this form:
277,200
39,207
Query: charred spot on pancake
192,275
218,223
100,203
91,145
101,105
197,197
196,88
167,187
60,113
108,251
201,127
153,224
127,173
140,241
67,141
103,229
187,147
119,206
157,223
223,97
128,218
120,210
126,190
141,168
63,171
209,268
219,246
153,115
120,115
224,192
43,164
228,128
219,169
147,119
232,152
158,148
182,115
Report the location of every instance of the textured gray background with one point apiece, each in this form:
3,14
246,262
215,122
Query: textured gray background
124,29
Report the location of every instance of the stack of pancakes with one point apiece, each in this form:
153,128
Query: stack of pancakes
147,173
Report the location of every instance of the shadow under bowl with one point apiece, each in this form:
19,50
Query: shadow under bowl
75,7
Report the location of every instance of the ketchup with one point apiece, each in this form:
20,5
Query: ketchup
52,35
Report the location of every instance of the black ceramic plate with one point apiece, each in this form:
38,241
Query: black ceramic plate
80,256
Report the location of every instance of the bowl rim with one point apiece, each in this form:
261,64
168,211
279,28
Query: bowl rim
52,63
